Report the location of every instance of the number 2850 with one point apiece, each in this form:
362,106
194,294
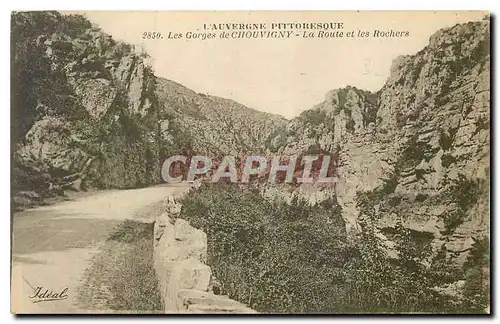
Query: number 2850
151,35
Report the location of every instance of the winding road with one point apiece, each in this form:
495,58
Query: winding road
52,246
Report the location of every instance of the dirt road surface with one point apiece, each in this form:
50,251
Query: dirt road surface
52,246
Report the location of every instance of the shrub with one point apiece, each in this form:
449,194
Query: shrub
464,193
446,140
270,255
447,160
477,284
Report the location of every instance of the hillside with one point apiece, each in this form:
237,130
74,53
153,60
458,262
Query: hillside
217,125
418,149
88,112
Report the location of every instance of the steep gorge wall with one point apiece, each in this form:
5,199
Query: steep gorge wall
88,112
83,106
430,143
419,147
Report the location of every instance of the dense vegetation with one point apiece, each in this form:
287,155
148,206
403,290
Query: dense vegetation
296,258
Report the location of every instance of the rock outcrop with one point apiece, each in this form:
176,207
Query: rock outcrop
88,112
83,104
421,142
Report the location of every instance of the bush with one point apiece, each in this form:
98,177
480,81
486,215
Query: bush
464,193
477,284
447,160
276,257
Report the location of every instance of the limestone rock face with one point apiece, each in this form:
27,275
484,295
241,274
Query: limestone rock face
90,112
87,106
83,104
97,96
422,141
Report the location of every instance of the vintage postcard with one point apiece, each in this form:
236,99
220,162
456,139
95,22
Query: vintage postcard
231,162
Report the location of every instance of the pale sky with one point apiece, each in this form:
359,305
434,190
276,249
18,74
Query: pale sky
282,76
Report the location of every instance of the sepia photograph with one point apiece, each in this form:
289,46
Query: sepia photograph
250,162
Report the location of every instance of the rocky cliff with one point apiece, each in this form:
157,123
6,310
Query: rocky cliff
417,151
88,112
83,107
